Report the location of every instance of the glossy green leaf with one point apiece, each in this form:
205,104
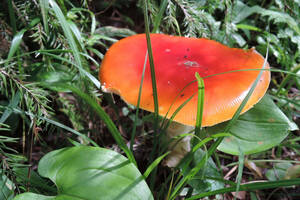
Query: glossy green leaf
58,75
33,196
262,127
91,173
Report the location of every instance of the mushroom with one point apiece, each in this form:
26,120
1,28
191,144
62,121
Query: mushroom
228,74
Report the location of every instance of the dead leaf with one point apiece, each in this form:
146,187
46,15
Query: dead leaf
252,167
240,195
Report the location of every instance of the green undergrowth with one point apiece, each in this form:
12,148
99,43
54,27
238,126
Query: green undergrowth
62,137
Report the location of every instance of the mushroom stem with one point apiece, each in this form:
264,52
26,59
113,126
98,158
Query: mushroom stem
179,147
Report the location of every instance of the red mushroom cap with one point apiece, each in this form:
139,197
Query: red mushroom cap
176,60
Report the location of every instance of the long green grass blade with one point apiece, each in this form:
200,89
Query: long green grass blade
177,109
288,78
151,60
138,104
16,43
154,164
250,187
245,100
154,89
76,33
159,16
44,4
50,121
70,37
60,125
165,126
67,31
95,81
12,16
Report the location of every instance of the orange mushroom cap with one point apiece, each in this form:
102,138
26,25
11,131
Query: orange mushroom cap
176,60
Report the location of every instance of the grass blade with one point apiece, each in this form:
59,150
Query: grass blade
15,44
250,187
44,4
82,70
159,16
287,79
151,61
154,164
50,121
138,104
12,16
68,33
154,88
200,103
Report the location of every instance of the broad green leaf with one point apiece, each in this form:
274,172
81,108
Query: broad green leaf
262,127
33,196
91,173
54,76
282,171
206,178
280,17
58,75
242,11
278,172
16,43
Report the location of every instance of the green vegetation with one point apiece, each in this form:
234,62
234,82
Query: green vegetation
62,137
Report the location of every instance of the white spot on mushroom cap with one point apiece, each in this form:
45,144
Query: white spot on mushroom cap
103,88
191,64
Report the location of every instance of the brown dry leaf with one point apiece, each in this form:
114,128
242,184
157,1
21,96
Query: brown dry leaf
252,166
240,195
